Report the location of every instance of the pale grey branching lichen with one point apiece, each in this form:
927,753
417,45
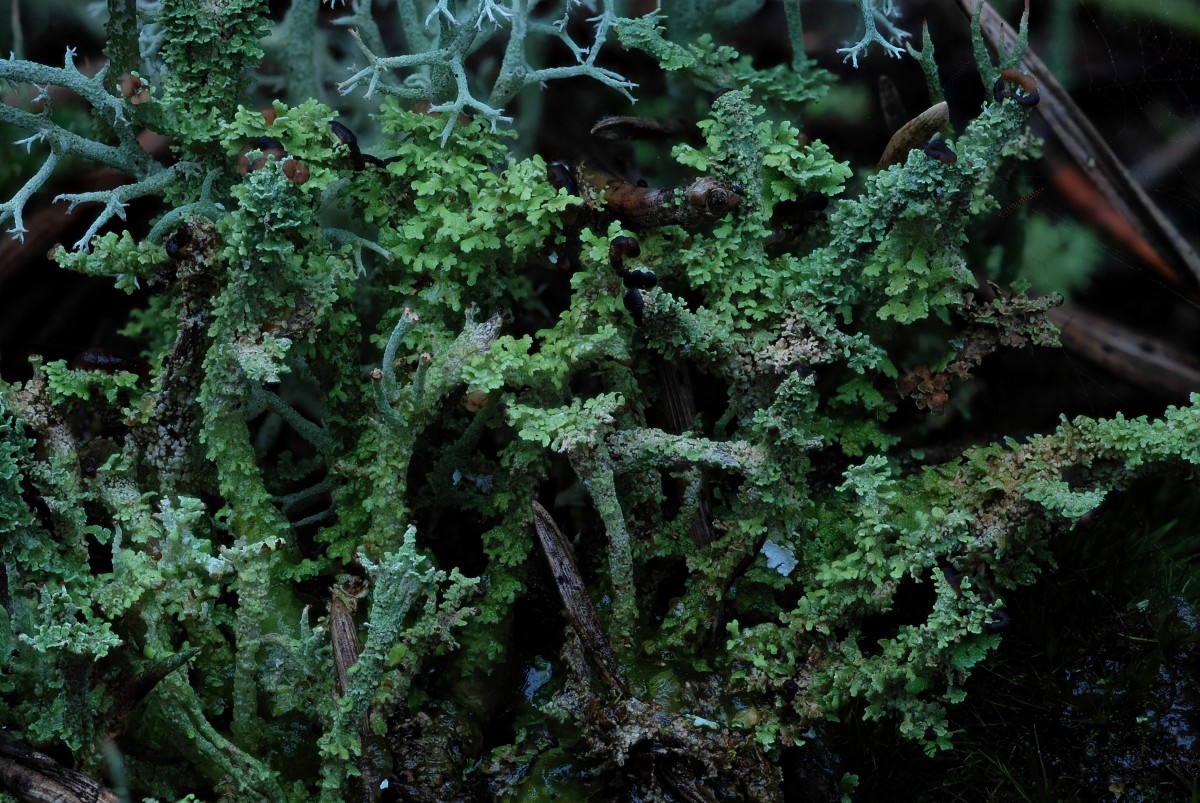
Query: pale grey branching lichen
440,74
126,156
877,14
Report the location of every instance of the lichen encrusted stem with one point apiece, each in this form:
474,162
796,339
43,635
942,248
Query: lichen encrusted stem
593,465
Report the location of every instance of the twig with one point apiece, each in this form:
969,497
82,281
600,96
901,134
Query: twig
1163,160
1145,361
34,776
134,690
576,602
914,134
1091,152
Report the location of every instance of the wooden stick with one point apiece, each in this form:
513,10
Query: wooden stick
1135,357
576,602
1088,148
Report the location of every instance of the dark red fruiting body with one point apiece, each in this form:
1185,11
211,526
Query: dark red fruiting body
635,304
938,149
268,146
1010,78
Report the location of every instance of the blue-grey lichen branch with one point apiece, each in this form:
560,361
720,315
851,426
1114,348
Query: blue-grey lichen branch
126,156
874,18
440,74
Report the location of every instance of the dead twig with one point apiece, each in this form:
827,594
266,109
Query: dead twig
343,638
1091,153
1145,361
914,134
576,602
34,777
134,690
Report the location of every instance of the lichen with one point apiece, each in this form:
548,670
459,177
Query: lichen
354,373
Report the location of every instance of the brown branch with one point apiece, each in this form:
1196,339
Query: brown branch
1145,361
34,777
1091,153
914,134
134,690
576,602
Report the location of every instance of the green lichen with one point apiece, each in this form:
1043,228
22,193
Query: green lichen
361,374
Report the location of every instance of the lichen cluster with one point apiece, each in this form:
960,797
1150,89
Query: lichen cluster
357,390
